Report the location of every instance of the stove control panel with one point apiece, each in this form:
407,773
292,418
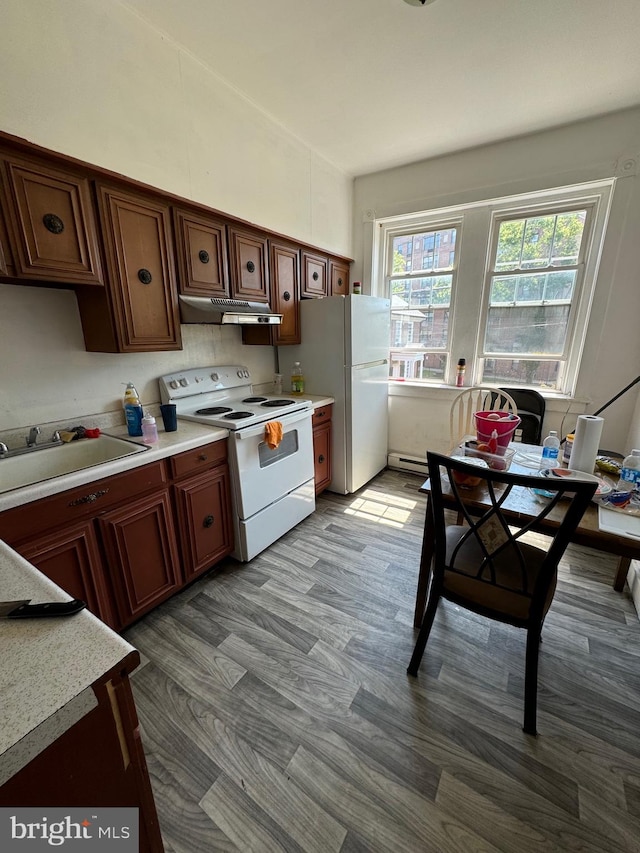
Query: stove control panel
202,380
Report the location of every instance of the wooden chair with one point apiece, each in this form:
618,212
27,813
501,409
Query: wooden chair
485,567
476,399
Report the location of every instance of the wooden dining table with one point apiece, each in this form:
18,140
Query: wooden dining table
520,508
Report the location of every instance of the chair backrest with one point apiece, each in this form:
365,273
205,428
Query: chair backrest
476,399
500,556
531,409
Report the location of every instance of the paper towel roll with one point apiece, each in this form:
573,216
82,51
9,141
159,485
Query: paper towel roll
586,443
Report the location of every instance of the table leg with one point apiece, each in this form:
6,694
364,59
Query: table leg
426,557
621,574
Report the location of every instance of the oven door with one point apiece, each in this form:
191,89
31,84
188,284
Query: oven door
263,476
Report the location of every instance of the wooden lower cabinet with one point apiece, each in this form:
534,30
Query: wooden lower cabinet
141,555
321,424
202,495
71,558
97,763
119,544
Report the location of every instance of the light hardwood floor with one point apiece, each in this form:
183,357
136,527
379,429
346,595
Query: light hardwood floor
276,713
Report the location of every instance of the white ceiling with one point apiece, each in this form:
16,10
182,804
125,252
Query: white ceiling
370,84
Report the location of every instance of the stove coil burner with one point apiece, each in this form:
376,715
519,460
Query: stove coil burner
253,399
238,416
214,410
276,404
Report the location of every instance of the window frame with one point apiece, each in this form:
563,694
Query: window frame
477,225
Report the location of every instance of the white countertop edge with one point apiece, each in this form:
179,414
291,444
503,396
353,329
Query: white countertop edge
46,663
49,730
187,436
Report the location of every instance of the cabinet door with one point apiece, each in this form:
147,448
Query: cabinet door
142,555
201,248
144,299
71,558
204,519
6,265
314,275
285,292
339,276
249,265
322,455
53,225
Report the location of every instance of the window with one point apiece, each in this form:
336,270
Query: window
506,284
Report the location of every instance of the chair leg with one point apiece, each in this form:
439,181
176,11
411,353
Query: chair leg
531,680
425,628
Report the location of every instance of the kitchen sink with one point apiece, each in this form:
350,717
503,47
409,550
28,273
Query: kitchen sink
30,468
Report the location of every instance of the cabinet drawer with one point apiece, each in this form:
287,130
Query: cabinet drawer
322,414
79,503
199,459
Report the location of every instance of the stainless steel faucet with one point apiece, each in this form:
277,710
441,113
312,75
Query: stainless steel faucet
4,450
32,438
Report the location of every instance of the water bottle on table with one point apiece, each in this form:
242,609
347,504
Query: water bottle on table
551,449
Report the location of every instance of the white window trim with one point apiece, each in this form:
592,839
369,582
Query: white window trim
476,228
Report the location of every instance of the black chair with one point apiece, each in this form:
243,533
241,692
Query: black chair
484,566
531,406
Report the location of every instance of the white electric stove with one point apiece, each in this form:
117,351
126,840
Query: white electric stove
273,489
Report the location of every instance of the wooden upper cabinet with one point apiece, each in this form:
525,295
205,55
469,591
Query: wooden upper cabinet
249,265
201,252
314,275
339,278
6,267
141,313
284,271
51,222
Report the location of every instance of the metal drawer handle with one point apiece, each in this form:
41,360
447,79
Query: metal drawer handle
88,499
208,521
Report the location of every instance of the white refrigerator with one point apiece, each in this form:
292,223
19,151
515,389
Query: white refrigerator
345,355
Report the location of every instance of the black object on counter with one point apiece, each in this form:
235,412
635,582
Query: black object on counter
169,417
23,610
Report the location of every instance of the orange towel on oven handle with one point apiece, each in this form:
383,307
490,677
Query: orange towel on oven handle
273,433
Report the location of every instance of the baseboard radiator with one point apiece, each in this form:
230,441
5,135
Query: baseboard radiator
405,462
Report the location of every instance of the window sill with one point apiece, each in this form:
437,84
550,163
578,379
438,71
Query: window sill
554,402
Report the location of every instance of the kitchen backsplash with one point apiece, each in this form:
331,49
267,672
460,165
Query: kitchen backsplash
48,378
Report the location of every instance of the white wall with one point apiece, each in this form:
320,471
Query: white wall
90,79
586,151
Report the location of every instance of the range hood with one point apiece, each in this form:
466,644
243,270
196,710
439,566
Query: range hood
205,309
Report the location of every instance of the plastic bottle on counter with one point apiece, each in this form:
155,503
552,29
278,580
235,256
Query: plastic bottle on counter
630,472
460,370
551,448
297,379
568,447
277,384
132,410
149,429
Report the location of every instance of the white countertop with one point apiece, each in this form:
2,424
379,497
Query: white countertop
47,665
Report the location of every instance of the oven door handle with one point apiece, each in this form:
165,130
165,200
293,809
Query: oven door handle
286,421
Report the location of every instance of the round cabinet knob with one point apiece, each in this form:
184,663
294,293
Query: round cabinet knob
208,521
215,377
145,276
53,223
251,267
203,256
315,276
339,282
321,458
184,382
203,457
286,296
